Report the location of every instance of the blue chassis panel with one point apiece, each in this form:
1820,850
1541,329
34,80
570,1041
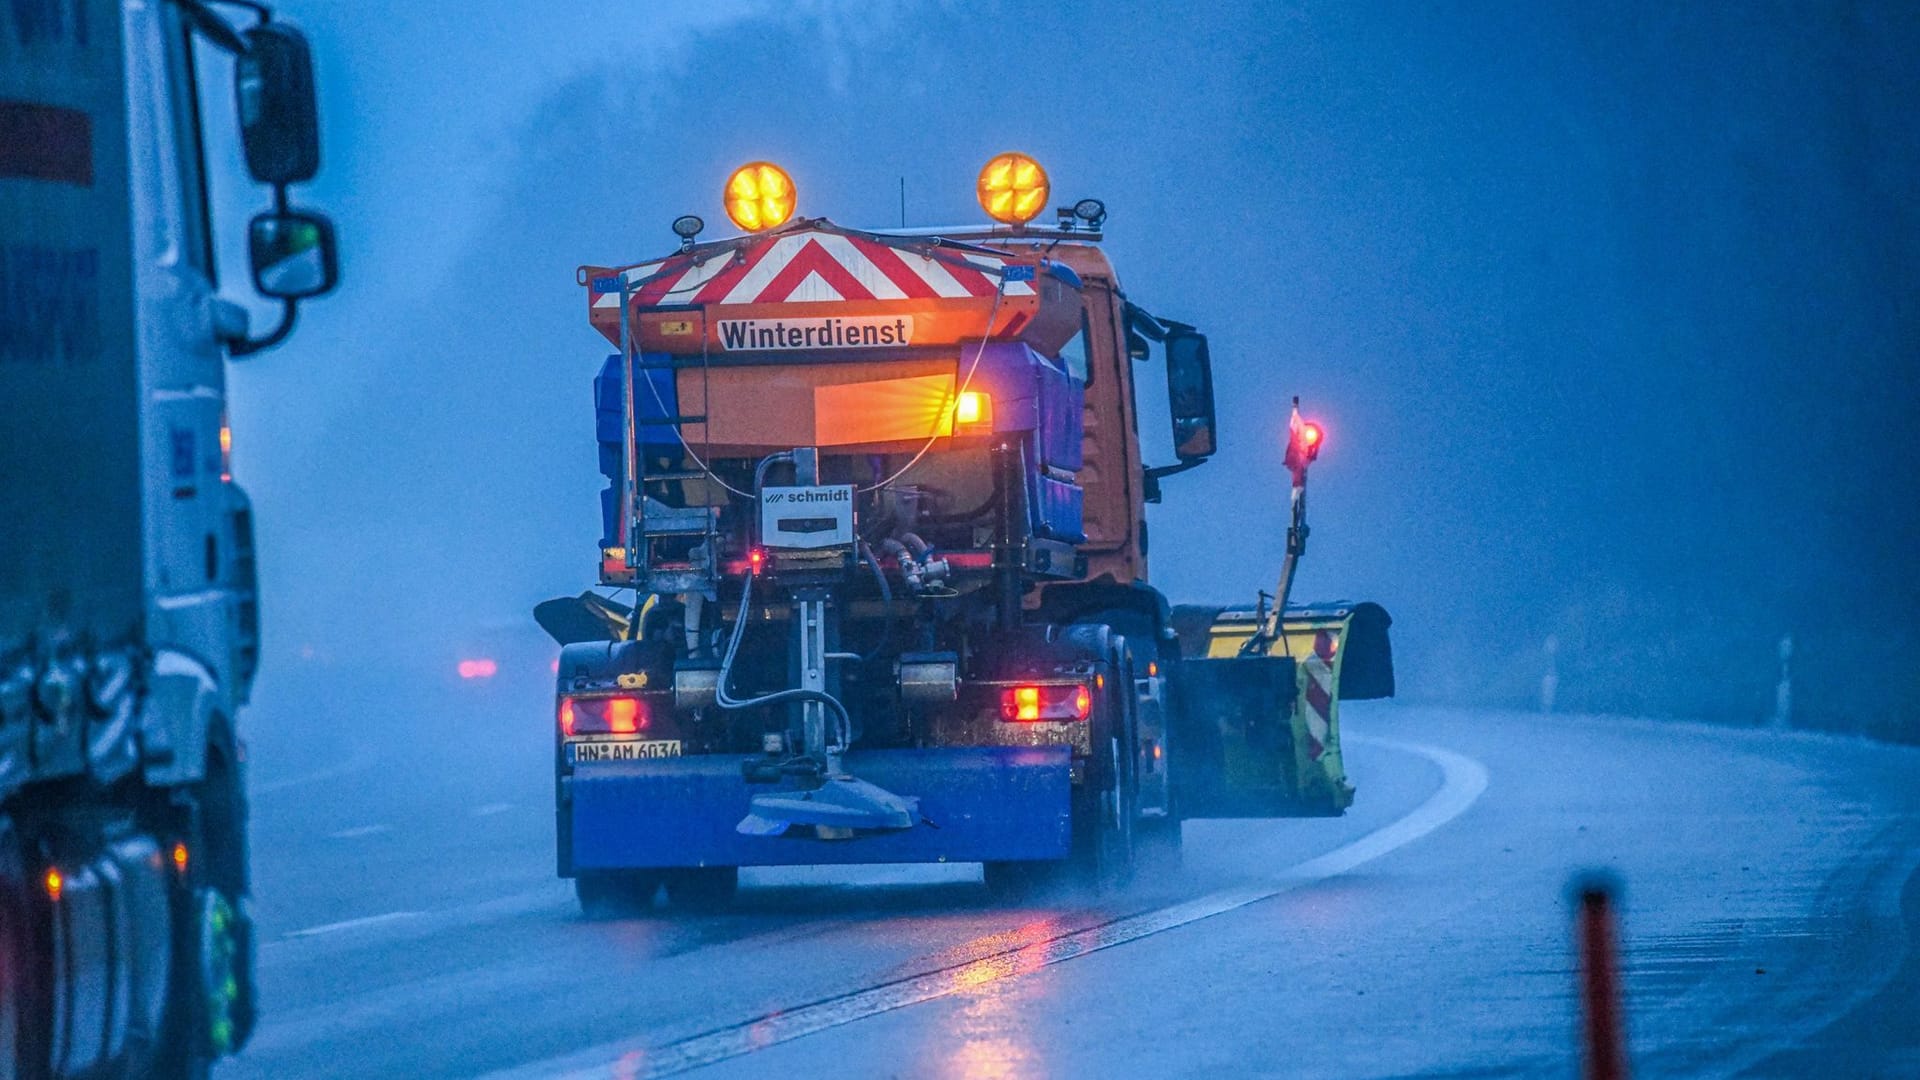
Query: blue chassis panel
992,803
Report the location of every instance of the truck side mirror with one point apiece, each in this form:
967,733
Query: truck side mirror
292,253
279,120
1190,394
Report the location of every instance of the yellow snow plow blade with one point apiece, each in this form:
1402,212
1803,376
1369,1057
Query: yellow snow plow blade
1266,717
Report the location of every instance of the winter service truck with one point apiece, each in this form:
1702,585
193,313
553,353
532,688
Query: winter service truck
880,500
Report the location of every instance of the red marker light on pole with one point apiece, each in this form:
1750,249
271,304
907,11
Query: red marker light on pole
1304,439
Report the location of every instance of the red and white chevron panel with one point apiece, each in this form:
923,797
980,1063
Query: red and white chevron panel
813,266
1319,695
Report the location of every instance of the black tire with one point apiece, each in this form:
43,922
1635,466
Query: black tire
212,933
615,894
1157,839
703,888
24,1015
1106,803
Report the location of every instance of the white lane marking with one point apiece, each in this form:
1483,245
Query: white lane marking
491,809
554,896
361,758
352,924
359,831
1463,780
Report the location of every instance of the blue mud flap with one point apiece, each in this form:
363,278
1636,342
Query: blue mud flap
977,804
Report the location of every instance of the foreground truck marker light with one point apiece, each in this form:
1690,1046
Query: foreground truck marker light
873,571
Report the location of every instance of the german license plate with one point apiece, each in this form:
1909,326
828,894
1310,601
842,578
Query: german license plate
622,749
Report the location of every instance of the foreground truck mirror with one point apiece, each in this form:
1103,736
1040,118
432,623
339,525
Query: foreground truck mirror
1190,394
293,254
279,120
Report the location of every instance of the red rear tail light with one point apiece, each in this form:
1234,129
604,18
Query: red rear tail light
1024,704
602,716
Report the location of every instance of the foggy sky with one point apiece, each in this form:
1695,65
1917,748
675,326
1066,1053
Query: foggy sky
1610,312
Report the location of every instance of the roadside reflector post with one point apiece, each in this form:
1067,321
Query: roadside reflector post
1603,1035
1783,689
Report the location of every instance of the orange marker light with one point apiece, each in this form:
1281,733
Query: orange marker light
180,858
973,407
55,884
1012,189
759,195
623,715
1026,703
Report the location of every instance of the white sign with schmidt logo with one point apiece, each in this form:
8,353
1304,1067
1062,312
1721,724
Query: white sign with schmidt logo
807,517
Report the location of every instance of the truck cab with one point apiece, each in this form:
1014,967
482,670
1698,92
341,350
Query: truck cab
129,613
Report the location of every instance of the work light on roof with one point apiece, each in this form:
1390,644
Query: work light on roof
759,196
686,227
1013,189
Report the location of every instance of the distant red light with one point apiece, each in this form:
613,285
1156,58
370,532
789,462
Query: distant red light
478,669
1310,434
755,559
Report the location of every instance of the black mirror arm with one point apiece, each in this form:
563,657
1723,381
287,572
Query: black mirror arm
249,346
1153,474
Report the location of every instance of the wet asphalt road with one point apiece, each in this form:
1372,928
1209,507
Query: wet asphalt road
412,925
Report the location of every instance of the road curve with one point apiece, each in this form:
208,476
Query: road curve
412,927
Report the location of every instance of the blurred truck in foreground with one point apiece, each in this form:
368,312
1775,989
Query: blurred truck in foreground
880,498
128,612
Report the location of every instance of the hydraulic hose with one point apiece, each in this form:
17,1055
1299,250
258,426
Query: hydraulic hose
727,701
886,601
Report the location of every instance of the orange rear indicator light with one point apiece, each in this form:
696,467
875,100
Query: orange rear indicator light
759,196
56,884
1027,704
973,408
1013,189
180,858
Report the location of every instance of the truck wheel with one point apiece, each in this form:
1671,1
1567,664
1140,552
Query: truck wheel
1107,803
1157,839
23,1024
703,888
210,1007
615,894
